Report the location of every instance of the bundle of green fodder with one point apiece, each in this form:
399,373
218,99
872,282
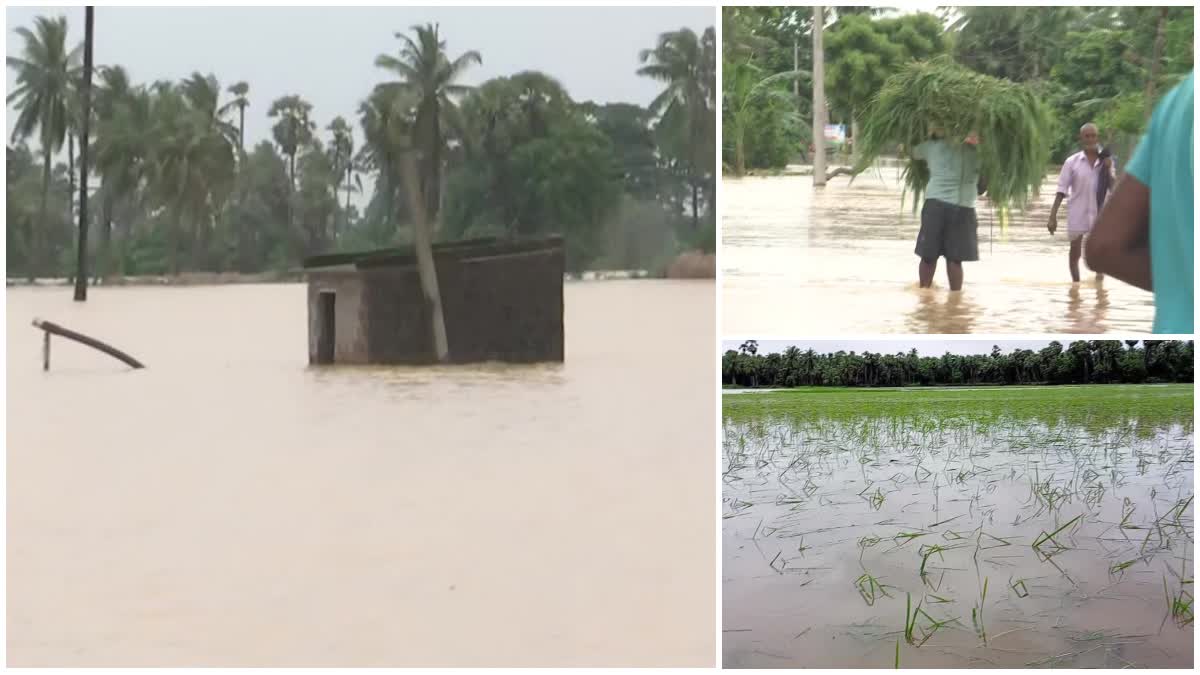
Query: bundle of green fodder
1013,126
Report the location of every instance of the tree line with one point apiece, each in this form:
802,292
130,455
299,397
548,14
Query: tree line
1106,65
179,191
1081,362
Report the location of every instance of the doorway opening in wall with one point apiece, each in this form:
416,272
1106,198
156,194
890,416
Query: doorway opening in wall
326,337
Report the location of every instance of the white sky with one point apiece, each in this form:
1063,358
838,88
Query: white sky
327,54
923,347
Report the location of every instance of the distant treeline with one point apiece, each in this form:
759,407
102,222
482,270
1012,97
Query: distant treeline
1082,362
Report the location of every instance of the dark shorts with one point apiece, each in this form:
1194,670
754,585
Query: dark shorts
947,230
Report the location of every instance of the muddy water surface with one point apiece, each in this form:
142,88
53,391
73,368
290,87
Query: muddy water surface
839,260
229,506
845,512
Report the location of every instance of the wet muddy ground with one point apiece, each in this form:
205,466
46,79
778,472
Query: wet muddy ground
1014,527
839,259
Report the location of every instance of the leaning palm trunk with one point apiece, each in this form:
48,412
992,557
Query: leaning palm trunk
423,243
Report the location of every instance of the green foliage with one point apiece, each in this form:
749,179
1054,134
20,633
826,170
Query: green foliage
860,58
1012,122
1087,64
759,117
1094,362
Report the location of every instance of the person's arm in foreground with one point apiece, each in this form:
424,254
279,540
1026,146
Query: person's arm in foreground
1119,244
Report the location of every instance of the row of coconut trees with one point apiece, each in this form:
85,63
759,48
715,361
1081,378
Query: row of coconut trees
177,149
1079,362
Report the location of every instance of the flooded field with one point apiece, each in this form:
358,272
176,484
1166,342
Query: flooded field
840,261
229,506
988,528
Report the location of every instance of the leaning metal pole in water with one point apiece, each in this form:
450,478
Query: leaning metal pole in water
49,328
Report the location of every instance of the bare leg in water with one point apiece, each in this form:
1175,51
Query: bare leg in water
954,274
925,272
1076,253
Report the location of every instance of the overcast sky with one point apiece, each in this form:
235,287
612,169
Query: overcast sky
923,347
326,55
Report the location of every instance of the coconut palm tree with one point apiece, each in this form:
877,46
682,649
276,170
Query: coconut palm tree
193,162
239,91
342,147
686,63
292,132
342,150
387,125
45,72
426,72
294,129
122,152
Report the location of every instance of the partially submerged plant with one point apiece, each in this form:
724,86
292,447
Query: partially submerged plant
911,626
1046,545
870,589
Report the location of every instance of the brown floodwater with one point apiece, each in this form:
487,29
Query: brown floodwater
230,506
839,260
813,504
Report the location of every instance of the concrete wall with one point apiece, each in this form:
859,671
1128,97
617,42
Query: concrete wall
350,344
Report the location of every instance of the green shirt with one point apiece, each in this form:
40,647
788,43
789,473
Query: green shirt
953,171
1163,162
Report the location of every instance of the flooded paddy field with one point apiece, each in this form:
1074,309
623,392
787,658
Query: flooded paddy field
839,260
992,528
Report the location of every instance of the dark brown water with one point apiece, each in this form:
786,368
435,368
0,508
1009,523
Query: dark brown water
231,506
812,504
839,260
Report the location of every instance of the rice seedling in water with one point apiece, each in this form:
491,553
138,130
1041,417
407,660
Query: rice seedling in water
1127,509
1041,543
977,614
1179,606
905,537
912,616
875,500
928,550
870,589
1119,568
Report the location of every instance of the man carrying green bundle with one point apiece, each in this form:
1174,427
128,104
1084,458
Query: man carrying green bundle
1082,176
1145,234
949,228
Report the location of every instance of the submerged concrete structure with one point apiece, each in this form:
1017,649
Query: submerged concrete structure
502,300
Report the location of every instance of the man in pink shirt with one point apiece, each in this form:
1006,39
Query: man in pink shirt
1077,183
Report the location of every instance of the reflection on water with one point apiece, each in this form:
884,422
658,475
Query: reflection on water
818,498
841,260
231,506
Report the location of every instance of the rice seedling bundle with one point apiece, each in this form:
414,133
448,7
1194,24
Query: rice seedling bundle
1012,122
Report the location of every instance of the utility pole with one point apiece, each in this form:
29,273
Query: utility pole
818,112
796,66
81,271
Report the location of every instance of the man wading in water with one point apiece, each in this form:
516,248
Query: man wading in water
948,225
1083,182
